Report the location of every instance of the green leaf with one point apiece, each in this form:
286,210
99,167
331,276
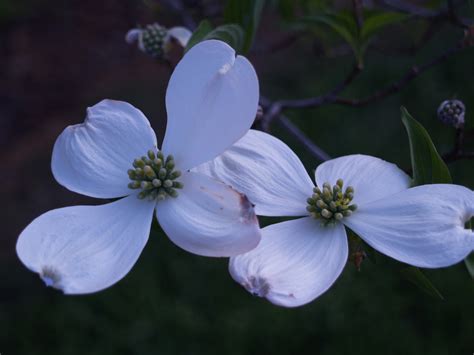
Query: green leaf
247,14
232,34
199,33
428,167
416,276
342,23
376,21
469,261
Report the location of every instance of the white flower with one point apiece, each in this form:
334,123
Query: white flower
298,260
156,40
211,102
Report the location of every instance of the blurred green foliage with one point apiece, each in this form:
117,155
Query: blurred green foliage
247,14
173,302
344,24
232,34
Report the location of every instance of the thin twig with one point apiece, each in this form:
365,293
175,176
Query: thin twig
275,108
453,16
358,13
324,99
433,28
410,8
293,130
445,13
396,86
331,97
280,44
450,158
457,152
459,139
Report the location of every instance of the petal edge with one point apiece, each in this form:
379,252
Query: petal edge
267,171
209,218
422,226
211,101
295,262
92,158
84,249
371,177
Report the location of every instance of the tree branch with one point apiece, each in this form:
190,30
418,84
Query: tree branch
275,108
294,131
358,13
455,19
396,86
331,97
445,13
457,152
433,28
280,44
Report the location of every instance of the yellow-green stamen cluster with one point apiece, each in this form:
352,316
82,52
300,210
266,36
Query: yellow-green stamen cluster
153,39
332,203
155,176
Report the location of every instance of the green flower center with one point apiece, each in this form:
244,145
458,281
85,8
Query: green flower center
332,203
155,176
153,37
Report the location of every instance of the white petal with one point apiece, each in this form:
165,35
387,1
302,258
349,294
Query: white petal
421,226
181,34
267,171
84,249
133,35
209,218
92,158
372,178
295,262
211,101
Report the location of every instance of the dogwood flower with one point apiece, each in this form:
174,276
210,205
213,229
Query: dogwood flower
211,102
299,259
155,40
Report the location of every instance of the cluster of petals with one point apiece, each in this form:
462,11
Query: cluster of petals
211,102
299,259
229,174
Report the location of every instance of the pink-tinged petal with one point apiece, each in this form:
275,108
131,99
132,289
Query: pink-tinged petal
372,178
84,249
295,262
267,171
422,226
92,158
209,218
211,101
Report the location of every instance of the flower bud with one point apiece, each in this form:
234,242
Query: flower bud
155,39
451,112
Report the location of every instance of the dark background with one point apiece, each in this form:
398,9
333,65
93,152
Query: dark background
58,57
